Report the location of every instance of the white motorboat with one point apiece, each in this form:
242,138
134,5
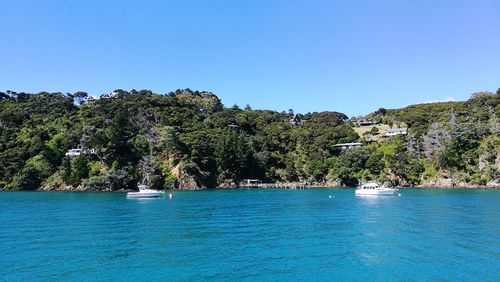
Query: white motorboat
145,192
374,189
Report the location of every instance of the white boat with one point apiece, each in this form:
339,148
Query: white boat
145,192
374,189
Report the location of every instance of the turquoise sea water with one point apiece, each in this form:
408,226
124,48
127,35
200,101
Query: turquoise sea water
252,235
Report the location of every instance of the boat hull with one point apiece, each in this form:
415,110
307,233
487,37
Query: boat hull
138,195
387,192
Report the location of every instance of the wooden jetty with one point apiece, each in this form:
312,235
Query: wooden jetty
293,186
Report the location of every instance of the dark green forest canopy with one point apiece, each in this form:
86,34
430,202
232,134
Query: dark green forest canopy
135,129
188,139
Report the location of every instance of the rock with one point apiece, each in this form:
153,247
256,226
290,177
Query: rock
228,184
452,183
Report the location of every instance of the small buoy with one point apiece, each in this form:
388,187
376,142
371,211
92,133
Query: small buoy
331,196
170,196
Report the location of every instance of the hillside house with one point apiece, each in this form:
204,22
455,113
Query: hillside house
78,152
73,152
296,120
112,95
344,146
396,131
362,121
89,100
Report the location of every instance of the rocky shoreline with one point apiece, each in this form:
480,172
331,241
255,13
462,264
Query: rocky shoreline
444,183
433,184
80,188
451,184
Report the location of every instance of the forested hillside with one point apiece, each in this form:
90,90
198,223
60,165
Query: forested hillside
450,143
188,140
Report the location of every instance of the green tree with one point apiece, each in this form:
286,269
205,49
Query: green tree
374,131
79,169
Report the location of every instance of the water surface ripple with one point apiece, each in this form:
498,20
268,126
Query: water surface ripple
317,234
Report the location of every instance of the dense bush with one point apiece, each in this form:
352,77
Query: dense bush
188,138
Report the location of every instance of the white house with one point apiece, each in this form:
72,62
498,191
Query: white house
362,121
348,145
112,95
89,100
253,181
74,152
296,120
396,131
78,152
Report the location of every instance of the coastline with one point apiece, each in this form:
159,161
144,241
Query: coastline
221,152
445,184
315,186
420,187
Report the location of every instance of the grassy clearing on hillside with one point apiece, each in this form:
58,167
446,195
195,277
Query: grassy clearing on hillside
381,127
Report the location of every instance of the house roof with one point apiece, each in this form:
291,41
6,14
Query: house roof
348,144
397,130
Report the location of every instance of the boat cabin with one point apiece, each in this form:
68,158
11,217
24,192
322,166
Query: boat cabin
370,185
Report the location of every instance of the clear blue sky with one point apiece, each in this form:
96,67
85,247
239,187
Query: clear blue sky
349,56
